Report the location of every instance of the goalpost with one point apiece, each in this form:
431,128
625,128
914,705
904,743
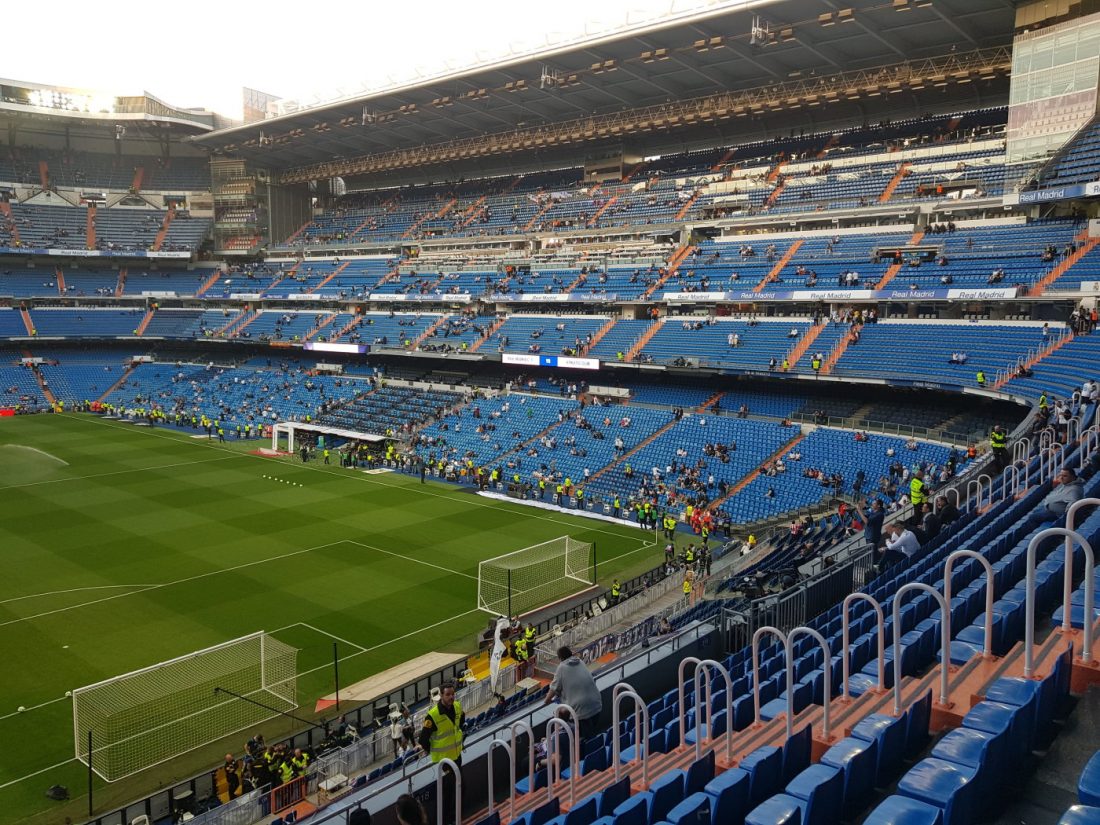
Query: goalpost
140,719
535,576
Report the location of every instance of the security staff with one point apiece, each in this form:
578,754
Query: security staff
616,507
815,363
1044,405
616,591
441,735
981,378
998,443
522,654
918,490
529,634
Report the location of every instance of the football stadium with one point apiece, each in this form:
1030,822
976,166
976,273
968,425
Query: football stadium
693,421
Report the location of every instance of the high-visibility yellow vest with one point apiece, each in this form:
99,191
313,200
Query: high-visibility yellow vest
997,440
916,491
687,587
446,737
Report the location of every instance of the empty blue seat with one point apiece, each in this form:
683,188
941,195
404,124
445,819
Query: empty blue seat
729,792
998,718
765,769
917,720
796,753
857,758
665,792
1025,694
780,809
491,819
889,734
1088,787
821,788
947,785
1080,815
901,810
612,796
699,773
633,811
688,811
976,749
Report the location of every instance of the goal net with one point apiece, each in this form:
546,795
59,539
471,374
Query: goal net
151,715
535,576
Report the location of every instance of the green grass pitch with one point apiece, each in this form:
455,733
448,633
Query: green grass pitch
122,547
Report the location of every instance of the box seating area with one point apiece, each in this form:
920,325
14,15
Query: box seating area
127,230
520,332
247,280
118,229
185,233
1087,268
81,282
989,347
175,323
1061,372
76,169
180,281
458,332
276,325
86,322
389,410
709,343
54,227
380,329
620,338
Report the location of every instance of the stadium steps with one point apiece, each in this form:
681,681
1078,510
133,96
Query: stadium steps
472,212
27,322
805,343
670,269
773,196
140,331
293,270
347,328
519,449
89,225
329,277
774,272
751,477
595,219
426,334
894,269
213,279
834,356
723,160
833,140
1035,359
358,229
600,333
638,167
309,336
162,233
60,280
120,382
545,208
710,402
224,330
489,333
645,442
120,284
44,174
773,173
899,176
690,202
5,210
248,318
49,396
139,177
431,216
297,232
644,339
1087,245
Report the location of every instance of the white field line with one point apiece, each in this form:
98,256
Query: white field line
112,473
413,559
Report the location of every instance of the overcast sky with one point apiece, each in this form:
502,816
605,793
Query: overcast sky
187,53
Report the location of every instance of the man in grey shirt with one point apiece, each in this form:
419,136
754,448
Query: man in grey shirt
573,684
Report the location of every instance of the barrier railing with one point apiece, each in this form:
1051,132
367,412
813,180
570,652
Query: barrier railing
1090,442
987,647
945,640
779,634
510,751
1070,536
846,636
440,766
1067,581
553,754
289,794
1021,449
641,732
703,679
827,687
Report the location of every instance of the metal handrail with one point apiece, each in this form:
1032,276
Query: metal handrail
553,759
1090,442
756,675
1029,616
508,749
845,627
641,731
945,640
1011,474
703,673
450,763
1067,586
827,686
525,728
1052,463
950,563
1021,449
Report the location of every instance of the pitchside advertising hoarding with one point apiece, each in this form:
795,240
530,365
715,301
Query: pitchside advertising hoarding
748,296
559,361
322,346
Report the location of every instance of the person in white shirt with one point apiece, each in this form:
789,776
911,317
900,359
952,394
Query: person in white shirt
901,545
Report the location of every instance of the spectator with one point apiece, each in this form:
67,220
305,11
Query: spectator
573,684
901,546
947,511
409,811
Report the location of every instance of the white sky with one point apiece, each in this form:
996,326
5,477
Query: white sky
186,53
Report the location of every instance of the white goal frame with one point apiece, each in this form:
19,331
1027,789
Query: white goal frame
575,562
266,672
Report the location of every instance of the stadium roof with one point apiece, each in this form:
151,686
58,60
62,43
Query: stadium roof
713,51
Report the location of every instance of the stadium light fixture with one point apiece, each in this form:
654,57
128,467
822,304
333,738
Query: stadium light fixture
846,16
826,19
902,5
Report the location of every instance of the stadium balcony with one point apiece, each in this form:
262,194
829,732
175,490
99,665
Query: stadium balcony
76,169
116,229
1077,162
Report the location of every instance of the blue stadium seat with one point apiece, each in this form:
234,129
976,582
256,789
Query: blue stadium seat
857,758
889,734
765,769
947,785
1080,815
901,810
1088,787
665,792
688,811
729,792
